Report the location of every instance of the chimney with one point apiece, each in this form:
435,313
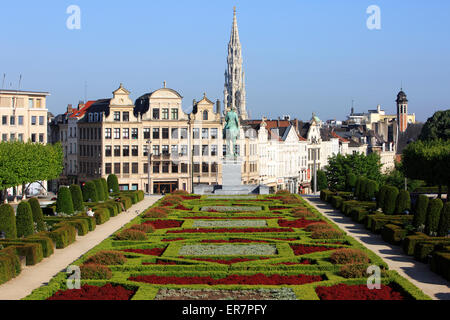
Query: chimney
69,109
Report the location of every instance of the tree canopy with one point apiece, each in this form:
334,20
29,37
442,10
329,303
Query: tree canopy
437,127
28,162
339,166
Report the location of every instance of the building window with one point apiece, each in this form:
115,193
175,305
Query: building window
165,114
108,133
108,151
116,133
165,150
126,168
174,167
156,165
196,133
4,120
12,137
116,168
20,120
116,151
174,114
214,150
145,167
205,115
33,139
12,120
205,133
183,133
116,116
126,151
146,133
196,150
174,133
30,103
224,150
38,103
184,168
126,116
214,167
237,149
205,151
135,151
156,113
205,167
20,137
174,150
165,133
155,133
156,150
196,168
184,150
135,168
33,120
145,150
41,137
165,167
126,133
214,134
108,168
134,133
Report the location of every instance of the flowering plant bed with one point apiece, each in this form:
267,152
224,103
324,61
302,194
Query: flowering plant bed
300,249
233,230
357,292
87,292
228,261
164,224
300,223
150,252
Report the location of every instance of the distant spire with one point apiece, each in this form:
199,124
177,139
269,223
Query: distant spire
234,30
164,83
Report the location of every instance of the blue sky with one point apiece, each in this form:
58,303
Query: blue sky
300,56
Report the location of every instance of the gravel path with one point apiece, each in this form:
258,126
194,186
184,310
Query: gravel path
417,272
33,277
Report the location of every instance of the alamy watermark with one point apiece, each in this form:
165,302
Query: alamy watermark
73,22
74,277
374,280
374,20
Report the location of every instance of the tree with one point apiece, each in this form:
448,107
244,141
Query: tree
437,127
24,220
322,182
433,216
38,216
89,192
77,197
339,166
371,190
105,188
381,196
390,200
444,222
64,202
8,221
403,202
397,178
428,161
350,182
420,214
113,183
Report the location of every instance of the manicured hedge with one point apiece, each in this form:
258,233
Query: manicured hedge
410,242
444,222
81,225
77,197
381,196
359,214
90,192
113,183
32,252
38,216
440,263
325,195
64,202
403,202
393,234
376,222
24,220
336,202
8,221
9,264
63,235
44,240
420,214
371,190
433,216
99,189
101,216
105,188
390,200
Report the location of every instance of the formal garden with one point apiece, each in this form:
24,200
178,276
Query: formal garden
271,247
33,233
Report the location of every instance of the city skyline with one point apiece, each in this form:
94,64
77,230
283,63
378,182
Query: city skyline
360,67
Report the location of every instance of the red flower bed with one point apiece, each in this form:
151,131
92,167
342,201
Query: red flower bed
149,252
166,263
300,249
230,261
257,279
168,204
181,207
299,223
87,292
277,208
231,230
231,218
306,261
170,240
357,292
190,197
285,239
164,224
234,241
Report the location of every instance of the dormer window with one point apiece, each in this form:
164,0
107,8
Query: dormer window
174,114
116,116
90,117
96,117
205,115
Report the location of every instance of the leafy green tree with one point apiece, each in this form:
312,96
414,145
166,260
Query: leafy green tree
371,190
38,216
64,202
437,127
89,192
8,221
113,183
24,220
396,178
77,197
433,216
322,182
420,211
444,222
339,166
403,202
351,181
428,161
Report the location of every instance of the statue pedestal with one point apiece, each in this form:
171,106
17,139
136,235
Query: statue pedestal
231,173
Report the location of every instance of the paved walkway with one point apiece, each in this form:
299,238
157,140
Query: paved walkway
35,276
417,272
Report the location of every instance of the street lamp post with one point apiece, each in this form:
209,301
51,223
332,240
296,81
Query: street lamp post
149,153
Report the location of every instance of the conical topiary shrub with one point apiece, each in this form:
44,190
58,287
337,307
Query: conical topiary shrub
38,216
444,222
371,190
8,221
420,214
350,181
90,192
64,202
113,183
381,195
99,189
403,202
433,216
390,200
24,220
105,188
77,197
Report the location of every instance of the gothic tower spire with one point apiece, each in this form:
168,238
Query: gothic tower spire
234,91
